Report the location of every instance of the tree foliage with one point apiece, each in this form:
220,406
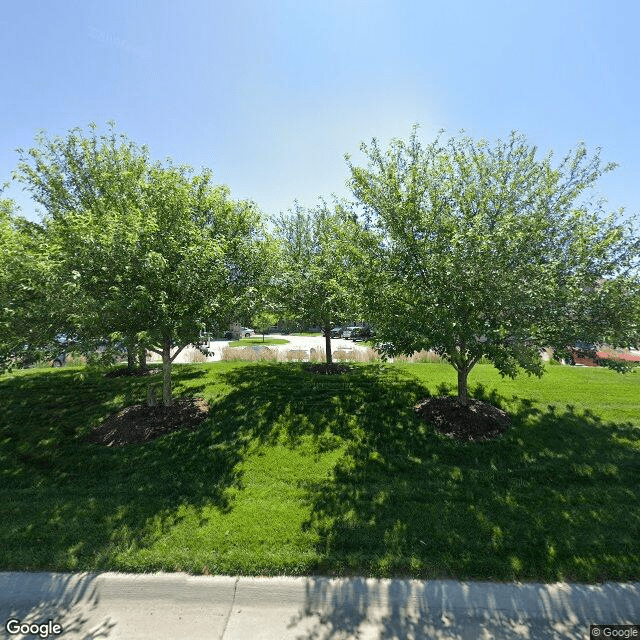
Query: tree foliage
488,251
263,321
317,282
151,251
29,295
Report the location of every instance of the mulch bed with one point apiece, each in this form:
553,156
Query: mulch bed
471,421
141,423
327,369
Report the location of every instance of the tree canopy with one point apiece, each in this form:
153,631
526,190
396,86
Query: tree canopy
317,282
152,251
488,251
30,297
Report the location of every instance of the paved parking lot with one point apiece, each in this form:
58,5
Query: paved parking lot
306,343
296,343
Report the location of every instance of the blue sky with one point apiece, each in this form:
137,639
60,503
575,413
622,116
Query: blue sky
270,94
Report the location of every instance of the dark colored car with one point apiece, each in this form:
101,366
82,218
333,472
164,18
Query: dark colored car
349,332
361,333
336,332
65,343
59,360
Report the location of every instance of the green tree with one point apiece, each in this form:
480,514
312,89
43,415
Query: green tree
29,296
317,281
486,251
151,252
263,320
92,188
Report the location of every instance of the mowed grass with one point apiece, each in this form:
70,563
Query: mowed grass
248,342
296,473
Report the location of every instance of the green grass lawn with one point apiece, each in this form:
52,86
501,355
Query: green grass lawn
248,342
296,473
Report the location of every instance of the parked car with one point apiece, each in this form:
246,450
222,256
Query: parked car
358,333
247,332
336,332
346,334
65,343
59,360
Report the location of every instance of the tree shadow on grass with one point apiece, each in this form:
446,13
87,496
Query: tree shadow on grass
277,402
71,505
554,498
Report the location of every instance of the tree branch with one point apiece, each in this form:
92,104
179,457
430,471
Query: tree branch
473,361
175,355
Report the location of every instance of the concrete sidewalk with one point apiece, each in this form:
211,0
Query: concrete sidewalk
177,606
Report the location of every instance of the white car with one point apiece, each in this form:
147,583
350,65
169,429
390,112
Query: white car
246,332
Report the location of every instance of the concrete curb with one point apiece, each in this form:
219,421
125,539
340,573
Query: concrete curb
176,606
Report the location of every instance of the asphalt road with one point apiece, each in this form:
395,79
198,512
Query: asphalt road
179,607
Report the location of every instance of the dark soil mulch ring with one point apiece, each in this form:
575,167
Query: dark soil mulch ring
471,421
327,369
138,373
141,423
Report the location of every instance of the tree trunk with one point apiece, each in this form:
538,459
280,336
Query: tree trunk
166,372
463,372
130,345
142,357
327,343
131,359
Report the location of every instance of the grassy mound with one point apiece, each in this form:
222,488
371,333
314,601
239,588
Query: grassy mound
296,473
